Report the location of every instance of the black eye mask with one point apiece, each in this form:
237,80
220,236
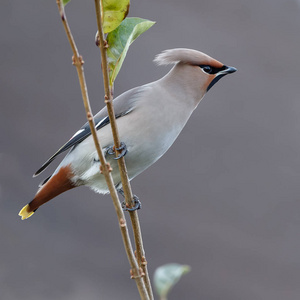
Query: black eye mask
211,70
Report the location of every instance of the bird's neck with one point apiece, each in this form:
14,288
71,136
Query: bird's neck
181,82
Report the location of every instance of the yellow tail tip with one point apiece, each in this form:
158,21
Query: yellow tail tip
25,213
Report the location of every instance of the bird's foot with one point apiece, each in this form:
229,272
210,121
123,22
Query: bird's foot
122,149
136,200
137,204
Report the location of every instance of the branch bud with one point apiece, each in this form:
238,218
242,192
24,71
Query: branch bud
122,223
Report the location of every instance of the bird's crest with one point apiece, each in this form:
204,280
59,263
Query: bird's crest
186,56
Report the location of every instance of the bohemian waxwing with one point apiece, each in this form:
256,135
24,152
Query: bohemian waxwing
149,118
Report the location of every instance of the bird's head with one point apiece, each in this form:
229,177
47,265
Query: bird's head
195,69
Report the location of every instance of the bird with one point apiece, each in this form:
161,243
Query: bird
149,118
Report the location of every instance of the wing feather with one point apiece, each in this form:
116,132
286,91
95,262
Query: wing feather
101,119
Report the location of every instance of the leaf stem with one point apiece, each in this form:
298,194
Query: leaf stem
140,252
105,167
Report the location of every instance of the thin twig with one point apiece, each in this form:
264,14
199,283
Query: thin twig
140,252
78,62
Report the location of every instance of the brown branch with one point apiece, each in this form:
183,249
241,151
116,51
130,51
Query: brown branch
78,62
140,252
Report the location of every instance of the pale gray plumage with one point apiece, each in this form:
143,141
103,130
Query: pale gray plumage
149,118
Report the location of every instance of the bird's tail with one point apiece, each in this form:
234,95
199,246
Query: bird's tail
57,184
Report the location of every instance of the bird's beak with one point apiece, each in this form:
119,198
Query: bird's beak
227,70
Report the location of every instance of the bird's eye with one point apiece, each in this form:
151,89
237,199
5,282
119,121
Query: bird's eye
207,69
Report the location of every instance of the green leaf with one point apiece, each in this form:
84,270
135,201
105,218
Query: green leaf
119,41
115,11
166,276
65,2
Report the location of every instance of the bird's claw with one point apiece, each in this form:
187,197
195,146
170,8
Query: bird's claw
122,149
137,204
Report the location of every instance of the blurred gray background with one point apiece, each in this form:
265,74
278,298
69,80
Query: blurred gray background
224,200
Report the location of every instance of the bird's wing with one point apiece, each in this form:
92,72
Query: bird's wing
123,105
